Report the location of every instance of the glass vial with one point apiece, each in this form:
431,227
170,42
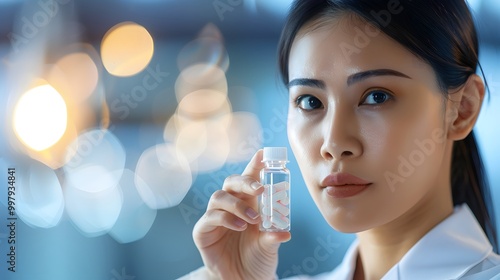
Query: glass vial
274,202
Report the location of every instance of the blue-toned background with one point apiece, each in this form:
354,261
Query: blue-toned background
67,248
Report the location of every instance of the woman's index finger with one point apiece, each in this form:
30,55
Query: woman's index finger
254,166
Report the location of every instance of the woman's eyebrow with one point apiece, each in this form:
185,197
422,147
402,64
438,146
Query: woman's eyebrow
357,77
354,78
305,82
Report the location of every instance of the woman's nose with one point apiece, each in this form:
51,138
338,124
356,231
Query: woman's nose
340,137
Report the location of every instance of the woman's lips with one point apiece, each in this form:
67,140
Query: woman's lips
342,185
345,191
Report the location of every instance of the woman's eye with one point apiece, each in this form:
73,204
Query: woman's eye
308,102
376,97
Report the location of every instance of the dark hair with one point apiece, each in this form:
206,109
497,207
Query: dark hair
441,33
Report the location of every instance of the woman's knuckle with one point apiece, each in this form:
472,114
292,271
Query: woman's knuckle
229,179
208,214
236,204
218,194
215,198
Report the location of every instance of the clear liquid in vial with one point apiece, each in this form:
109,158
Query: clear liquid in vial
274,203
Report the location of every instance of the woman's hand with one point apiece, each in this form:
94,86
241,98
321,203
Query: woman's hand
228,236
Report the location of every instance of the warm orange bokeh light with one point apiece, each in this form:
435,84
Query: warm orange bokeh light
75,76
126,49
40,117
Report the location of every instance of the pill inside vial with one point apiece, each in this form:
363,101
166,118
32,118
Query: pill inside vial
266,210
280,221
279,195
280,208
282,186
267,223
285,201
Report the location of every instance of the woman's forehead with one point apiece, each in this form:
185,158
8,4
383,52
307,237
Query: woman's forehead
348,44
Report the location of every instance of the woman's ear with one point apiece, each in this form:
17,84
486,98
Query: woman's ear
463,108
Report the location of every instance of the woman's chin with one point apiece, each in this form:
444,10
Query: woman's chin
349,222
347,228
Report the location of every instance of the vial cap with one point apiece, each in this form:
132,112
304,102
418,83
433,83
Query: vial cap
275,154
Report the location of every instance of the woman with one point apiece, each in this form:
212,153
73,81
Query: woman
383,99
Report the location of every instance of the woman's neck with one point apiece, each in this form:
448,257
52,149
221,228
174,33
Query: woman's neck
383,247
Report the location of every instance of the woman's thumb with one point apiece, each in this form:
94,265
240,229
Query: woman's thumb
271,241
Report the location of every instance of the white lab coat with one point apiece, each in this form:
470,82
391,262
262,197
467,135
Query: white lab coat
456,248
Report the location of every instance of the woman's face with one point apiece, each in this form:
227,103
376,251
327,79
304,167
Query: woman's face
361,104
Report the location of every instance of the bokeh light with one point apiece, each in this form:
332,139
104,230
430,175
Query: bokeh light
93,203
162,176
243,132
173,126
135,218
202,103
97,154
98,194
198,77
40,201
56,156
205,143
75,76
192,140
96,160
208,48
126,49
40,117
182,119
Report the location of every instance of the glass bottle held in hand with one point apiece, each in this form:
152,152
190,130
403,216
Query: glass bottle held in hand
274,202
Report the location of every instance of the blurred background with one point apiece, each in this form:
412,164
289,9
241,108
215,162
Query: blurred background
121,117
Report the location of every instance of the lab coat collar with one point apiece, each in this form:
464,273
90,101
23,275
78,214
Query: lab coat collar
447,251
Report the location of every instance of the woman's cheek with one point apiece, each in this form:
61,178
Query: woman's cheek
296,129
292,132
304,146
413,161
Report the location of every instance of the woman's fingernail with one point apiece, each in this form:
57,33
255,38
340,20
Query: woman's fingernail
251,213
256,185
240,223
